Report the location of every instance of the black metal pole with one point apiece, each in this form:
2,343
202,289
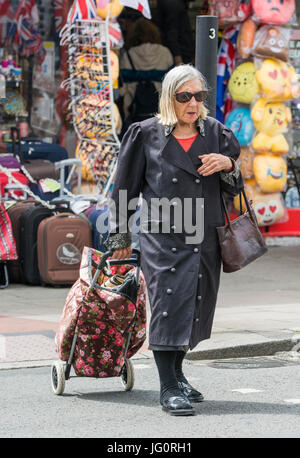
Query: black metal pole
206,56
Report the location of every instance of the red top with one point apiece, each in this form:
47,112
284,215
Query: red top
186,143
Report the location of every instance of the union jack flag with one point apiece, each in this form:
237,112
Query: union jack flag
7,21
82,9
225,67
60,8
141,5
115,35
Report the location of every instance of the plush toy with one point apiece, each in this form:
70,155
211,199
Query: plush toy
113,7
268,208
241,124
245,38
245,162
278,80
273,11
242,85
271,120
272,41
270,172
230,11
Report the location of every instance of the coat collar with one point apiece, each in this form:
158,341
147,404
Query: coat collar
173,153
200,126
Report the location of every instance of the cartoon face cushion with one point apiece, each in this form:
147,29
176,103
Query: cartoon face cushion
268,208
245,162
242,84
277,80
113,7
272,118
274,11
241,124
272,41
270,172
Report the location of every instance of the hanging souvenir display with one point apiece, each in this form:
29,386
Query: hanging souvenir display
246,38
272,41
245,162
111,7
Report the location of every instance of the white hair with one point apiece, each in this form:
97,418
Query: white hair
171,82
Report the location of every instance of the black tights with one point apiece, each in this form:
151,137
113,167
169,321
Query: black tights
169,365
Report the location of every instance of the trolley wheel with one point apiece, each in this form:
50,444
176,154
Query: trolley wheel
127,375
58,377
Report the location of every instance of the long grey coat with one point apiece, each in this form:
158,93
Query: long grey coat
182,279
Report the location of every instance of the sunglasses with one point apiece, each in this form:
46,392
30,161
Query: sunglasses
184,97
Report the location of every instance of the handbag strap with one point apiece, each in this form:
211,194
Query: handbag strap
130,60
241,210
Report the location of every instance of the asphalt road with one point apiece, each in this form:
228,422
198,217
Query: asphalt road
257,397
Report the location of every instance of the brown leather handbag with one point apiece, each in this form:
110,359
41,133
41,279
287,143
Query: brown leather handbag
241,241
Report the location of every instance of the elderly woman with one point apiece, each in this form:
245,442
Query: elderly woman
189,158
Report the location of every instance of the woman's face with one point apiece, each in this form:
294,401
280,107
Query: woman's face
188,112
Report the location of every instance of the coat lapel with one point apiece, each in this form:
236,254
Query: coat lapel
173,153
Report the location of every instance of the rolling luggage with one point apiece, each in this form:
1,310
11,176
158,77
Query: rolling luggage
15,212
60,241
35,148
103,323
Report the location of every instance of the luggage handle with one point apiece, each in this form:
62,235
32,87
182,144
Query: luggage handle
116,262
19,153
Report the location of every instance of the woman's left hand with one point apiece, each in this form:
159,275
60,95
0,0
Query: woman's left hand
214,162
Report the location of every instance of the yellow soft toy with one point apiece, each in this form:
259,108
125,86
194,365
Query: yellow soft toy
268,208
245,162
113,7
277,80
271,120
242,85
270,172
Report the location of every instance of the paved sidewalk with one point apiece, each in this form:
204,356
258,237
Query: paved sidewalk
258,313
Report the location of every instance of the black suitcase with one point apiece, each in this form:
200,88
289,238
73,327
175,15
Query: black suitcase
29,223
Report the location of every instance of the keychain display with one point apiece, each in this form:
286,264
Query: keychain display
93,68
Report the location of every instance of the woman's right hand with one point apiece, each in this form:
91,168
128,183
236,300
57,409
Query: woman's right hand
125,253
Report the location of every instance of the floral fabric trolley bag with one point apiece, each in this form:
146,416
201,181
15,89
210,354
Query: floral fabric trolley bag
102,316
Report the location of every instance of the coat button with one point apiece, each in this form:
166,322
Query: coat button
173,269
197,181
165,314
174,180
175,204
200,276
197,319
196,250
199,298
173,228
169,291
174,250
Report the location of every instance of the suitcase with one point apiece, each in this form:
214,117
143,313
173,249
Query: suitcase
37,168
35,148
61,239
15,212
